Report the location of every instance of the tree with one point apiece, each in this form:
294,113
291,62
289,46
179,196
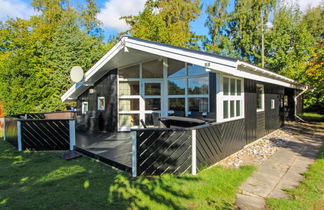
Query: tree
37,54
165,21
238,32
289,43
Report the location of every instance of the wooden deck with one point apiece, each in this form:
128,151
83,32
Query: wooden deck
111,148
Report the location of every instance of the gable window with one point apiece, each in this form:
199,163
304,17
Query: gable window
260,97
84,107
232,98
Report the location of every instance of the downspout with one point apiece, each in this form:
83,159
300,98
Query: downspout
296,98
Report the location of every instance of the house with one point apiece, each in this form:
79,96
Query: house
138,81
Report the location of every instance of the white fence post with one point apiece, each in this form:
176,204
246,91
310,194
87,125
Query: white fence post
19,135
72,134
4,128
193,155
134,153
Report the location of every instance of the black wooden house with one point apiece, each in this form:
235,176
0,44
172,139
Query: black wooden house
154,108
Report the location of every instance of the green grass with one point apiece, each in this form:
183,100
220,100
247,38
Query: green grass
42,180
313,117
309,194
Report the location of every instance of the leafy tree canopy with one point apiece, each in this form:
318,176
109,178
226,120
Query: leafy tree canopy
165,21
37,54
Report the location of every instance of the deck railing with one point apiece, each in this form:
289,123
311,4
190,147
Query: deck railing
184,150
39,134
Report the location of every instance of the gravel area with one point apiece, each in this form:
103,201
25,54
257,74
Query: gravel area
260,150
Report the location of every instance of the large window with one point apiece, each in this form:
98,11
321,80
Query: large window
129,96
260,97
154,88
187,88
232,98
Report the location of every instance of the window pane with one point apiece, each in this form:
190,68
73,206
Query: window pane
128,120
286,100
225,86
196,70
176,68
152,104
198,85
152,69
259,93
198,104
101,103
225,109
177,104
272,104
232,87
129,104
85,107
238,108
232,109
129,72
177,87
129,88
238,87
152,89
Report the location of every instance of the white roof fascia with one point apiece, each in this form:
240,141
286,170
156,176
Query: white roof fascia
71,90
221,64
110,54
261,70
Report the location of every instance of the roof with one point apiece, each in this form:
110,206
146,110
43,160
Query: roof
136,50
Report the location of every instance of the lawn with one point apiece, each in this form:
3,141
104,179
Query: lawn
309,194
313,117
42,180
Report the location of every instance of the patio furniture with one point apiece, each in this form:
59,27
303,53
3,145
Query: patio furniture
175,121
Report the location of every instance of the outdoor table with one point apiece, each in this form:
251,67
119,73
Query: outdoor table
181,121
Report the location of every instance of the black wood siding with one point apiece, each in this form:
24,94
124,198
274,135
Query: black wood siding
258,124
250,110
218,141
274,118
45,134
96,120
162,151
212,92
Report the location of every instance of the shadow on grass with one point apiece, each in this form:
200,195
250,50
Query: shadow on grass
42,180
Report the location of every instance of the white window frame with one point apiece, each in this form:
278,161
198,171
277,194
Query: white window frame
83,111
186,96
262,98
221,98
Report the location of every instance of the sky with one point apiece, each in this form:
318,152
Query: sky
112,10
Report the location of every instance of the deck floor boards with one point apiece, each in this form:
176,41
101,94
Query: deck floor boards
115,148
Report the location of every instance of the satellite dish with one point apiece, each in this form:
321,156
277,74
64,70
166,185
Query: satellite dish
76,74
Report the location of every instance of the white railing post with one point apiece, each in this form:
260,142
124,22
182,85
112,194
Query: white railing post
4,128
194,154
134,153
19,135
72,134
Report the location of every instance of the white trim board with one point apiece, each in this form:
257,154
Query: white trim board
213,63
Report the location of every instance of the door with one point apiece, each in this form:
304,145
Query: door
151,101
